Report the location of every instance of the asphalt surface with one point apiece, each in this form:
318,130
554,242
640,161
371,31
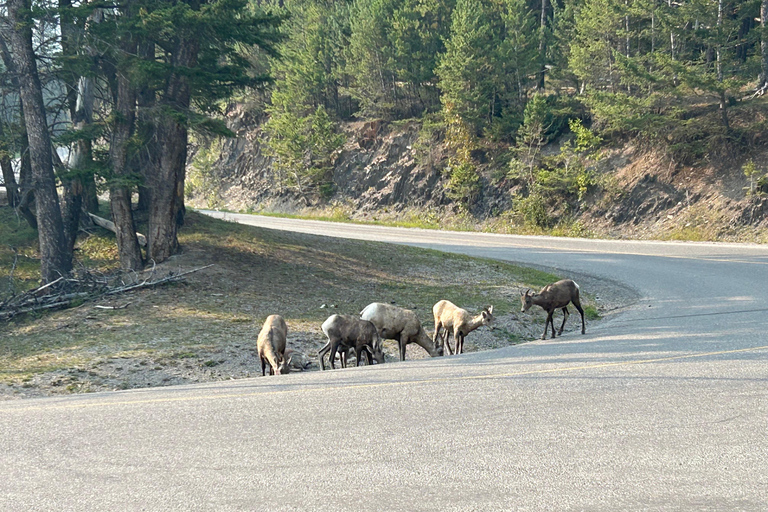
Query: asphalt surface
664,407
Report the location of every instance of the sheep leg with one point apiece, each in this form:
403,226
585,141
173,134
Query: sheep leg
332,355
439,326
263,366
401,343
577,303
546,324
459,343
565,317
368,356
321,353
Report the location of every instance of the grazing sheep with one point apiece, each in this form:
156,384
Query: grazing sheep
395,323
551,297
459,322
271,346
347,331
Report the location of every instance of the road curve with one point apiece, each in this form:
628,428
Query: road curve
664,407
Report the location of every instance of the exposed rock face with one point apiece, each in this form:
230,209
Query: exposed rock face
376,168
384,171
390,168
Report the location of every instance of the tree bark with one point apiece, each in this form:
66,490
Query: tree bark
55,259
142,163
120,191
164,206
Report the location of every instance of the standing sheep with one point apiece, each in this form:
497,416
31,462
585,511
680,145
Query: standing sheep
458,322
347,331
394,323
271,346
551,297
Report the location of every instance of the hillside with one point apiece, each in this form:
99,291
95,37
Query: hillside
396,173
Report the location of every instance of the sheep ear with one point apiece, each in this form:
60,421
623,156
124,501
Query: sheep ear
490,310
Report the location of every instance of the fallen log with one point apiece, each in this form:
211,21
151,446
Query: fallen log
108,224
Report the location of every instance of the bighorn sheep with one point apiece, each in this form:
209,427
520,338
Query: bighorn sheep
347,331
271,346
551,297
394,323
458,322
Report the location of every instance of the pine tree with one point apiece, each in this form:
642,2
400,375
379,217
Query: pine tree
56,259
467,69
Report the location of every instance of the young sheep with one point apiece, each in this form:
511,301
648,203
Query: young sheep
394,323
459,322
271,346
551,297
347,331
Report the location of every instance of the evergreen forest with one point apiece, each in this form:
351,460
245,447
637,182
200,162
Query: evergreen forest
124,85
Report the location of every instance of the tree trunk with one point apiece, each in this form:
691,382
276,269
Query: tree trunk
165,207
11,187
763,82
120,191
71,206
55,259
142,163
72,196
24,195
542,44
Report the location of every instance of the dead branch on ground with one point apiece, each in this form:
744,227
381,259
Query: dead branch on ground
70,291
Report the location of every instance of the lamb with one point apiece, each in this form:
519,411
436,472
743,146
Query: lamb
395,323
459,322
271,346
554,296
347,331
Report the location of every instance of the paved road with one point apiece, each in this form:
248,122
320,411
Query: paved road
663,408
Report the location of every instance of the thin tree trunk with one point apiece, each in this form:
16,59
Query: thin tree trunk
55,259
542,44
763,82
25,195
120,191
72,177
82,156
11,187
723,100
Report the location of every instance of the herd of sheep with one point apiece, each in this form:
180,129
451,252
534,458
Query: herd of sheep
379,321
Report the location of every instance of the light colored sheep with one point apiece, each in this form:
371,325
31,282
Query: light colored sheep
395,323
347,331
458,322
271,346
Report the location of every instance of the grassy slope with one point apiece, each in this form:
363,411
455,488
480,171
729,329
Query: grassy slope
205,328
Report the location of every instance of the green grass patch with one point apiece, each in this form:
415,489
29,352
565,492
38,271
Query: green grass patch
591,313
